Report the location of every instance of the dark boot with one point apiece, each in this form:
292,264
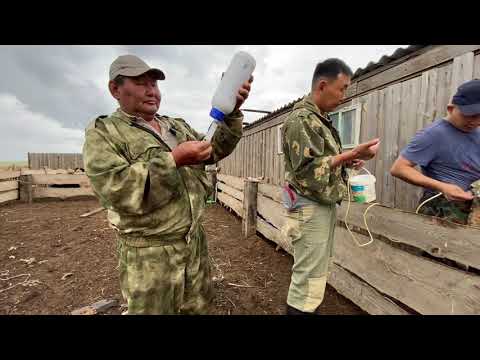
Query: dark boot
293,311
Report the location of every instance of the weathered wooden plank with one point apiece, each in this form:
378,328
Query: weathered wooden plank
406,194
274,235
43,172
371,126
443,89
8,196
281,175
237,194
272,211
268,149
476,67
456,242
8,185
272,191
231,202
390,141
25,190
62,193
421,284
432,58
428,98
273,154
374,122
248,156
62,179
232,181
255,155
462,70
362,294
263,154
275,157
249,217
9,174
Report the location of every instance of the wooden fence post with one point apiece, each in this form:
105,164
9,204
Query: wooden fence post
249,218
25,190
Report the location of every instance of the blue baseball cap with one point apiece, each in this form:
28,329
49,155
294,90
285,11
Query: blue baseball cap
467,98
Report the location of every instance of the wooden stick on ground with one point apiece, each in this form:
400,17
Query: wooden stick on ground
92,212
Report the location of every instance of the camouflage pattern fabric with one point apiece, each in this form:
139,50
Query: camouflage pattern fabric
155,208
165,278
134,175
440,207
309,143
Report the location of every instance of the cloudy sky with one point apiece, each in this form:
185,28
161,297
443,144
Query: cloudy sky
48,94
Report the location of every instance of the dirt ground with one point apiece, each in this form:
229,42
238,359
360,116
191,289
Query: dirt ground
52,262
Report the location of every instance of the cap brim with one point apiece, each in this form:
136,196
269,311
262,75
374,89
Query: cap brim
159,75
469,110
132,72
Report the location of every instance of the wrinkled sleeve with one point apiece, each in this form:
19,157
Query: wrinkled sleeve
226,137
305,149
421,150
136,188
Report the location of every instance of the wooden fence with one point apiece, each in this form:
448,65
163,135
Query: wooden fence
55,161
415,265
28,185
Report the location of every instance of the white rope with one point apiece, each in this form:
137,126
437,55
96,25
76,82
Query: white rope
423,203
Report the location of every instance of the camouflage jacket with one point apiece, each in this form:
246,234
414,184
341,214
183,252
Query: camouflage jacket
309,142
133,173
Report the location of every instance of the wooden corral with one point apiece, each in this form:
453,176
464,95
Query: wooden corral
415,265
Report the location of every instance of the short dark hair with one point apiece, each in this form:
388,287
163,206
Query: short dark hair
330,69
119,79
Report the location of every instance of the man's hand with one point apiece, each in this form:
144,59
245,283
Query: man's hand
455,193
355,164
243,93
191,152
366,151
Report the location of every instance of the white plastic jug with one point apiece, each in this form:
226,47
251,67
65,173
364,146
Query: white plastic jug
225,98
363,187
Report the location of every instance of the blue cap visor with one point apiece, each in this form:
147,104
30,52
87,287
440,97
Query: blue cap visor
469,110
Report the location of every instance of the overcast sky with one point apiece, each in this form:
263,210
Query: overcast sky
48,94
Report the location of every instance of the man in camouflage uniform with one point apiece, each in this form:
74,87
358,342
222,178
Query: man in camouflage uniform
148,170
448,154
316,182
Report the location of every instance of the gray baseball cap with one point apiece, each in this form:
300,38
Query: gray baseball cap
131,65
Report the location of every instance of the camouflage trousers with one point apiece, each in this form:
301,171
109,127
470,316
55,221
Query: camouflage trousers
310,228
164,278
449,210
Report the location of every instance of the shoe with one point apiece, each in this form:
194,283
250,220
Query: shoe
292,311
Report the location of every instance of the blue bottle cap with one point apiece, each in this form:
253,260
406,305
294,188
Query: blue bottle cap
217,114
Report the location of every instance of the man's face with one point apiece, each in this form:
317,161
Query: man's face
332,92
137,95
463,122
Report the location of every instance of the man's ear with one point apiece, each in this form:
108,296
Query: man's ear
113,87
320,85
450,108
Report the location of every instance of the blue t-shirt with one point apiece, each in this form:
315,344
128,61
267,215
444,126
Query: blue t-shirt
446,154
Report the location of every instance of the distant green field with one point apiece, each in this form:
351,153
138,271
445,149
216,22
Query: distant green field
18,164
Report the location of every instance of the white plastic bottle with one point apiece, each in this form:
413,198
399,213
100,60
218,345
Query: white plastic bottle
225,98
